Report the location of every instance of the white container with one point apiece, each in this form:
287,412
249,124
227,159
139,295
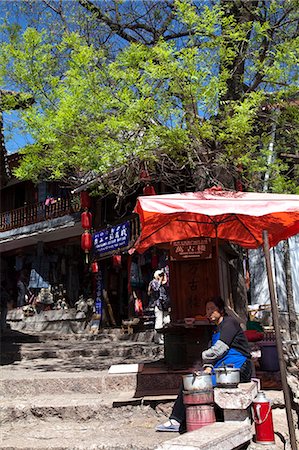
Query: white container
227,376
197,381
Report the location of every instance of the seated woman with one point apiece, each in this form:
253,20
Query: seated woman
229,346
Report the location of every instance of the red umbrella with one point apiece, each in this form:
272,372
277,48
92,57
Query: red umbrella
247,219
240,217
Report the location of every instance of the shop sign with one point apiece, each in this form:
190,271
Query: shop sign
195,248
99,294
112,238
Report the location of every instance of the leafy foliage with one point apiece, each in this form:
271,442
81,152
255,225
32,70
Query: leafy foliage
196,100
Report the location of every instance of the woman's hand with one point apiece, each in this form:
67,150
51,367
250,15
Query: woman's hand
207,369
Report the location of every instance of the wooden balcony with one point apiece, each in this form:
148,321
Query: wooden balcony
39,212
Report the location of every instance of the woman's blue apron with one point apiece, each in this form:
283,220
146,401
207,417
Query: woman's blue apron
232,356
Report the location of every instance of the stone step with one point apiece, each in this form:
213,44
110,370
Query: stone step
112,334
80,407
31,382
75,365
110,343
217,436
16,341
20,338
27,383
74,406
87,349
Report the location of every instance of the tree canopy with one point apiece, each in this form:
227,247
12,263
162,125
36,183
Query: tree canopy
198,92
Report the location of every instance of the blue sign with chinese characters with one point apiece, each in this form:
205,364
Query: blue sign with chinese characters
112,238
99,294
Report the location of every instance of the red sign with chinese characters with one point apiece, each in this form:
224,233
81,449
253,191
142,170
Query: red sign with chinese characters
194,248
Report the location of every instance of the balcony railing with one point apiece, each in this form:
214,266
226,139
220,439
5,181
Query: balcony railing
39,212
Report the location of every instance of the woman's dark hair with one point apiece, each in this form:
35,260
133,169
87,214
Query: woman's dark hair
219,302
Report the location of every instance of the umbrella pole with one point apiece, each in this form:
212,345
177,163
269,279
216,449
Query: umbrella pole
282,365
217,261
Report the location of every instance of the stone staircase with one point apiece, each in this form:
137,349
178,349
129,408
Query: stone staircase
74,352
57,392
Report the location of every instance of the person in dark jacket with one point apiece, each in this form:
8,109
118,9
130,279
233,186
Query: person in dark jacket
228,346
158,292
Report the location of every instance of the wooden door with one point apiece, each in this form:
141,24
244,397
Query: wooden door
192,283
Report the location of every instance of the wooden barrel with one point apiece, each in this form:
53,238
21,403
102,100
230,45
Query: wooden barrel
198,416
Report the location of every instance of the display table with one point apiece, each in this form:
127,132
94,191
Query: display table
183,345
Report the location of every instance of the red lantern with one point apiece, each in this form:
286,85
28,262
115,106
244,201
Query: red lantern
116,261
86,243
149,190
85,200
144,175
94,267
86,220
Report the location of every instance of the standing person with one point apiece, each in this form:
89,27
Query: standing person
158,292
229,345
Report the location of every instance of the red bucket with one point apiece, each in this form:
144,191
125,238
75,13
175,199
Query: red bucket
199,416
203,397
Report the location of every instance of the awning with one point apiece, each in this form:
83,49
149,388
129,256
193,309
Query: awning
240,217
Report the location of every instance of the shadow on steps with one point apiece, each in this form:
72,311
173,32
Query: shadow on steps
11,341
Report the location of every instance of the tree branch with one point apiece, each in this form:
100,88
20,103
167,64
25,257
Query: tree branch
99,15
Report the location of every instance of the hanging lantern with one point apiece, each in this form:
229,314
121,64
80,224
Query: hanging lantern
85,200
86,243
144,175
149,190
94,267
116,261
86,220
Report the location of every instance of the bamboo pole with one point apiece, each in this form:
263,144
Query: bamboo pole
282,365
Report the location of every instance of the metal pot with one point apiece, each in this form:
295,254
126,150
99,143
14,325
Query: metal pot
227,376
197,381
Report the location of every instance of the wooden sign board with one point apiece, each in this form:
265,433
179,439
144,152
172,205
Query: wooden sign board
200,248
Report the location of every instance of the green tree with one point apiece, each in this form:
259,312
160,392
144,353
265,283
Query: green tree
9,101
197,91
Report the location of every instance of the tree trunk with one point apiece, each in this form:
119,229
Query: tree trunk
238,284
236,66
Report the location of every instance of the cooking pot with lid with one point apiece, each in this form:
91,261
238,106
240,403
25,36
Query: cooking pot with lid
197,381
227,376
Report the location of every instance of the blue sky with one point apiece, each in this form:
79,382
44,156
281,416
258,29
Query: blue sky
16,139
